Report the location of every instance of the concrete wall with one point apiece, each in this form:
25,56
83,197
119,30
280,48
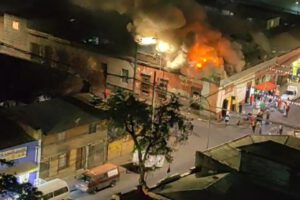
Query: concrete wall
78,137
120,151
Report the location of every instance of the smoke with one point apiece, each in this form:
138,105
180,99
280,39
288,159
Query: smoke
180,23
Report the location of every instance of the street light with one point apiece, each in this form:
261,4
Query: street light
209,118
163,47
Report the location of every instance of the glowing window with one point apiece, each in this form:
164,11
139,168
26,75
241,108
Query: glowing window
15,25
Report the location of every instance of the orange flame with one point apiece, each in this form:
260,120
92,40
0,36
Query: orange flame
203,55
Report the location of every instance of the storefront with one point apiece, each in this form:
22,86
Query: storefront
25,161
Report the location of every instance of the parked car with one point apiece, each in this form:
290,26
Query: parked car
292,92
152,161
56,189
98,178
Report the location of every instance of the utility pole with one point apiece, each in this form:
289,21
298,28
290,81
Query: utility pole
209,119
134,67
153,96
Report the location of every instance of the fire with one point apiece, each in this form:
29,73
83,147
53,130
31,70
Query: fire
202,55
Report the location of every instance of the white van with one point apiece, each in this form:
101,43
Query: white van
55,189
152,161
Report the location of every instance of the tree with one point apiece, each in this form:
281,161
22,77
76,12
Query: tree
150,129
10,187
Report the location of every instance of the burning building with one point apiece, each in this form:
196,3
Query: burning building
179,52
180,32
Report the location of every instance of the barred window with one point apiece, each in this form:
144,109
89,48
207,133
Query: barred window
63,161
125,74
162,88
145,84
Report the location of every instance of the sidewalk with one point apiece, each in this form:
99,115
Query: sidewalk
276,119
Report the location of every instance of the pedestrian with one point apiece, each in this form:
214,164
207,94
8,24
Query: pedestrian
267,116
227,117
284,108
259,128
240,108
287,109
280,129
259,117
253,123
169,170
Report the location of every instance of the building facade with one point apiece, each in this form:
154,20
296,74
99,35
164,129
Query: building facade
146,74
73,137
21,150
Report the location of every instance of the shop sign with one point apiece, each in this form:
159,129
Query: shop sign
14,154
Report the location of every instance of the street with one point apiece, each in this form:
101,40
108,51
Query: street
183,158
202,138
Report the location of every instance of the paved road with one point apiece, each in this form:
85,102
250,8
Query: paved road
204,136
183,158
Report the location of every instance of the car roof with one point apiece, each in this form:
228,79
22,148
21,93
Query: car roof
100,169
52,185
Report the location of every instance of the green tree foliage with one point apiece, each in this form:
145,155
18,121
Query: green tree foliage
151,132
10,187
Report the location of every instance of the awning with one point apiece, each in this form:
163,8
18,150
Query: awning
20,168
266,86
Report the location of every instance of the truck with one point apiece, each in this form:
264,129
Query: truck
292,92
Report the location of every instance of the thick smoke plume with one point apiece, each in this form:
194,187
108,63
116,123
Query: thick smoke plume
181,23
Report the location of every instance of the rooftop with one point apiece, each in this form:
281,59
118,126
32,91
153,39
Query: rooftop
229,153
274,151
11,134
56,115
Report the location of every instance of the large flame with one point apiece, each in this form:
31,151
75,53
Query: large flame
201,55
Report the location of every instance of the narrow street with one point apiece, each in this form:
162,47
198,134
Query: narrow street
204,136
183,158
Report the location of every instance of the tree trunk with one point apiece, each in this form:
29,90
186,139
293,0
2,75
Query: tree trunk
142,181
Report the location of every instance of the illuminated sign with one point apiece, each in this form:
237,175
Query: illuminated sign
14,154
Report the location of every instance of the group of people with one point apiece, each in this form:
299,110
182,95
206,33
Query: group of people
263,104
270,100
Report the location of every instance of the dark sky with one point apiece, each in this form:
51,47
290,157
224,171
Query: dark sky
55,17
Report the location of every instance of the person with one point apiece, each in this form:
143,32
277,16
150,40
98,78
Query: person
267,116
259,117
259,128
280,129
227,117
253,123
240,108
284,108
169,169
287,109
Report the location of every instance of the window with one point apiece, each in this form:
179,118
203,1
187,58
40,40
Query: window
125,74
15,25
145,84
48,196
60,191
162,88
62,161
93,128
61,136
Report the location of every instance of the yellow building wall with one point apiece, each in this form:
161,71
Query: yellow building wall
120,148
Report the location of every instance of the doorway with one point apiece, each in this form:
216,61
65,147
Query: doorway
80,158
224,107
